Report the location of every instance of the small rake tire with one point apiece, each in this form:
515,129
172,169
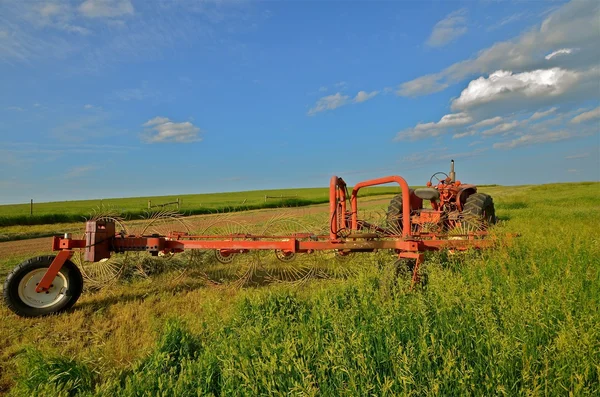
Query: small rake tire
479,212
19,288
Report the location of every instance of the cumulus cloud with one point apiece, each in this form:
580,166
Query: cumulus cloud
363,96
163,130
106,8
573,25
586,116
426,130
448,29
563,51
506,85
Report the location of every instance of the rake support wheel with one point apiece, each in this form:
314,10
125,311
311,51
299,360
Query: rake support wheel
19,288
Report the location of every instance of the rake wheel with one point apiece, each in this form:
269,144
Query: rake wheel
288,266
237,269
166,265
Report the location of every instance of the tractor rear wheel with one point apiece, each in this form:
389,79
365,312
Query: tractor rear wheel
19,288
394,213
478,211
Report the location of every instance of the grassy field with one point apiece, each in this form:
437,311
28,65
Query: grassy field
519,319
191,204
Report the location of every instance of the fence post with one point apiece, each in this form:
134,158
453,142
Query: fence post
149,204
177,203
31,208
265,198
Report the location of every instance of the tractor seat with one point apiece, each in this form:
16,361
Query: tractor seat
427,193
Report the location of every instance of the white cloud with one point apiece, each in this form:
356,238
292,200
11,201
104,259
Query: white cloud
448,29
163,130
570,26
363,96
487,122
586,116
421,86
15,108
506,85
500,128
532,139
563,51
426,130
539,115
464,134
329,102
106,8
88,106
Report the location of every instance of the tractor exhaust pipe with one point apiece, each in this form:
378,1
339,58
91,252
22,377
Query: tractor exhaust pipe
452,173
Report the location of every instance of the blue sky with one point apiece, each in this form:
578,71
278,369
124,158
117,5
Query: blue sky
118,98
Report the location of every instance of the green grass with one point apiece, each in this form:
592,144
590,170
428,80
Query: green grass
519,319
191,204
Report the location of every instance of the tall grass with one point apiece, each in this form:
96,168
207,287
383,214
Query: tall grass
520,319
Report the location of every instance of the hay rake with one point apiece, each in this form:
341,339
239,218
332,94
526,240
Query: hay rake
458,220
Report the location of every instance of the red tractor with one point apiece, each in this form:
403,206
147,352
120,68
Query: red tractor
456,208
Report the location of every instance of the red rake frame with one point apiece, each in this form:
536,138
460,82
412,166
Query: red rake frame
344,236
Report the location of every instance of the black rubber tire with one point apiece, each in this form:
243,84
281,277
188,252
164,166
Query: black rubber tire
21,308
394,212
479,208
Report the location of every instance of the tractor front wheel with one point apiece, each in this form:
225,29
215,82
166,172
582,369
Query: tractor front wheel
478,211
21,297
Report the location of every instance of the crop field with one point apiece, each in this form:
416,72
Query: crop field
190,204
519,319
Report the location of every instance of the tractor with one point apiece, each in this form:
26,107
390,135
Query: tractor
456,208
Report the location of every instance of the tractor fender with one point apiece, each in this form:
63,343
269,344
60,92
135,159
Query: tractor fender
416,203
463,194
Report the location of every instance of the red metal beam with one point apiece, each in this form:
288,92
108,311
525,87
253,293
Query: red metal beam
380,181
53,270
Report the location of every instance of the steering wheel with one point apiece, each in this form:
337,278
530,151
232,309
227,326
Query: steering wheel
438,179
